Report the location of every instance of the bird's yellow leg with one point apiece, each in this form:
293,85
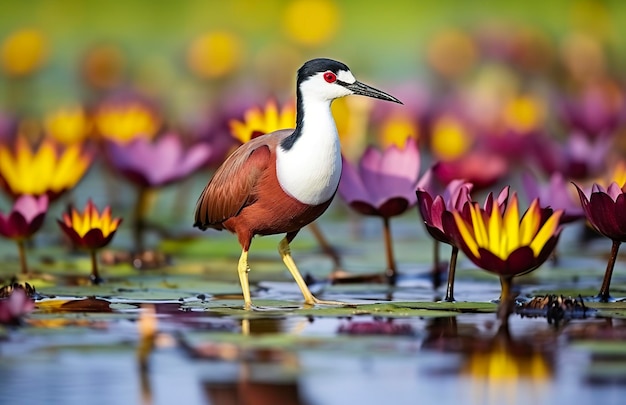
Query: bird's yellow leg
243,269
285,253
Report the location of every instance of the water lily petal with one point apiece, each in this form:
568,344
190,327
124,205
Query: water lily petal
546,232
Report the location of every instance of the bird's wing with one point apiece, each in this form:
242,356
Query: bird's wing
232,185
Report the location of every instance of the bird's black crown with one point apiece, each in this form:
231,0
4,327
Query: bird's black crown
315,66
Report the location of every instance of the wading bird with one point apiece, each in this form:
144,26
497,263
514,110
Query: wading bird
282,181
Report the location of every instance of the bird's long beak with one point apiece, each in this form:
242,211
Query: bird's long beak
365,90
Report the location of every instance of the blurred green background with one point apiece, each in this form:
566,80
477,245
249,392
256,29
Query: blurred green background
150,43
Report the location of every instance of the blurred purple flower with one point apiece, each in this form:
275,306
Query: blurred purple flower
597,111
384,183
25,218
8,127
157,163
557,194
480,168
578,158
14,307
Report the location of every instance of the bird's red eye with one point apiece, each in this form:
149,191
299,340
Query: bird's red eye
330,77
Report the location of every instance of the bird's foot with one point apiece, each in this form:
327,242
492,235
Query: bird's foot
317,301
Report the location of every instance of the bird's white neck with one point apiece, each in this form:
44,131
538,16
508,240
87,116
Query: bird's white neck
310,169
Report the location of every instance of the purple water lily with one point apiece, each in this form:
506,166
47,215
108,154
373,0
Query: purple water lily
21,223
383,185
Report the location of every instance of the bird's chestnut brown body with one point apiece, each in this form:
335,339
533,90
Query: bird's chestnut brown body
245,197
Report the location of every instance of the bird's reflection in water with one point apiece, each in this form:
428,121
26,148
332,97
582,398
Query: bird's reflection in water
266,376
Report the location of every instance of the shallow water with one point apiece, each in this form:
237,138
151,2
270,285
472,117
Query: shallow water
209,351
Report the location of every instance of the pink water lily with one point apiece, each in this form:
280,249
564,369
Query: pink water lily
25,218
15,306
20,224
383,185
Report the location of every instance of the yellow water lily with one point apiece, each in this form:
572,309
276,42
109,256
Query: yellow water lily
46,169
260,121
90,229
502,242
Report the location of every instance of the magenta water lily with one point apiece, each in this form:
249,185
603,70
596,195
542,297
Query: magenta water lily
432,211
605,210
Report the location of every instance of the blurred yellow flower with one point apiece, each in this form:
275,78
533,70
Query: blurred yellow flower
214,54
617,175
263,120
68,125
260,121
449,139
311,22
23,52
396,129
103,65
47,170
452,52
524,114
126,121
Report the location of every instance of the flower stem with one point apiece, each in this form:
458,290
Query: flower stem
436,274
21,247
391,271
506,299
604,295
95,275
141,207
451,272
324,244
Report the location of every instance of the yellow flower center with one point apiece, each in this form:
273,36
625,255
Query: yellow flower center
502,234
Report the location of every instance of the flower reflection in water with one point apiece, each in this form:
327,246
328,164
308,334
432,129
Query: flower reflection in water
501,369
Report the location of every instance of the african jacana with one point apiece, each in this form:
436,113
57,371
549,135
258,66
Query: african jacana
284,180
